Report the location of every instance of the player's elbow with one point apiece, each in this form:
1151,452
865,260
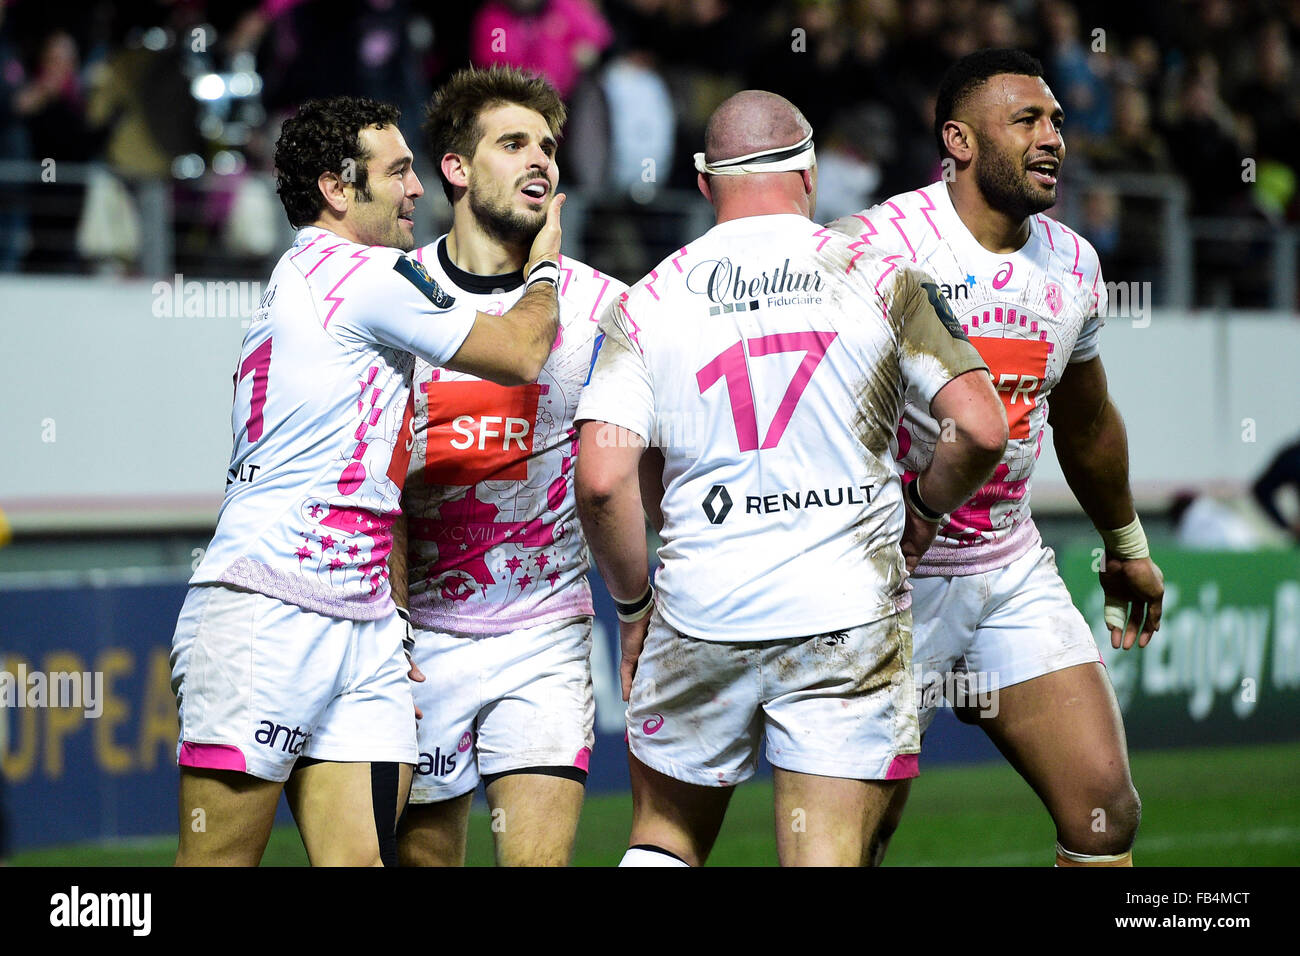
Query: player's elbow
988,437
516,369
983,437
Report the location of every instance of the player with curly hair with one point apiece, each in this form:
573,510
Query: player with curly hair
288,662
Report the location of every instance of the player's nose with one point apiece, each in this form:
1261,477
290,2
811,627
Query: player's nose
414,188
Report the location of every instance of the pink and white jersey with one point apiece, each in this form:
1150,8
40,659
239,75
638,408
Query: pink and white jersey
1029,313
493,538
769,360
322,400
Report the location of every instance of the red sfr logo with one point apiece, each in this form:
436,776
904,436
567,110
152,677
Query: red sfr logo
478,430
1019,367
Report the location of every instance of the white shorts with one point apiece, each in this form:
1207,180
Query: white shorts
260,683
976,633
836,705
495,703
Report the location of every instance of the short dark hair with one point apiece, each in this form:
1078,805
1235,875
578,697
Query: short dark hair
967,75
451,121
324,136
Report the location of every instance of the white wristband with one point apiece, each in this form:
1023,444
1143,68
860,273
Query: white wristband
546,270
1126,543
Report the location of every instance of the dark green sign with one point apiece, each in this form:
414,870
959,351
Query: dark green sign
1224,666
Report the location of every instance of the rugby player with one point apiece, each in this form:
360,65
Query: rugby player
989,606
287,661
776,354
497,563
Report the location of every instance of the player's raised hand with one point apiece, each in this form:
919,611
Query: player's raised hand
546,245
631,637
1135,593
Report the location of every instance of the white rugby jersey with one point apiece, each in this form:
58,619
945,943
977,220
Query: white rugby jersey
493,538
769,359
322,398
1029,313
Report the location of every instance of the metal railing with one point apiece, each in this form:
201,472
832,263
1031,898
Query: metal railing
617,234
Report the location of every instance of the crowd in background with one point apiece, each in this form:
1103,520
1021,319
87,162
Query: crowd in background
1205,90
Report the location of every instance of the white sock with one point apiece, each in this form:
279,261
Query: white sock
640,856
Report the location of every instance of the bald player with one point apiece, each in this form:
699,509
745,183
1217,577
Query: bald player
991,611
774,357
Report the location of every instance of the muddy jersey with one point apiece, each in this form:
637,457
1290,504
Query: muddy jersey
1029,313
493,538
769,360
322,394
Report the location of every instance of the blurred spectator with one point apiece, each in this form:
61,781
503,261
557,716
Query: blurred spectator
1271,100
1205,523
849,157
560,39
1282,472
1075,74
1204,144
15,146
53,109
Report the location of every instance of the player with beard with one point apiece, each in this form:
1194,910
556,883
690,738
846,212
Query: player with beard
991,612
498,591
287,659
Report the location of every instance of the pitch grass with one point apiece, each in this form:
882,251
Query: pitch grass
1237,806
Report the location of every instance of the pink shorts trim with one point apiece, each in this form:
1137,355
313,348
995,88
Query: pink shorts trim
904,767
212,757
583,760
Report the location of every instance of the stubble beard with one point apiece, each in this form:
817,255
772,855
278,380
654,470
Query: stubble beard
1004,186
506,225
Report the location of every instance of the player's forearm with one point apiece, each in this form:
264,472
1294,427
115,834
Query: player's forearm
972,440
397,564
533,323
1094,461
958,470
615,530
609,506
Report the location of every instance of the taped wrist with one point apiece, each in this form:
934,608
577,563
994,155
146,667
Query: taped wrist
1126,543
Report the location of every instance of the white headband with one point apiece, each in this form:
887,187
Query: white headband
782,159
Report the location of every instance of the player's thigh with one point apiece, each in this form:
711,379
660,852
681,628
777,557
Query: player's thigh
434,834
827,821
252,677
1063,733
534,818
347,812
682,818
946,612
694,710
451,697
539,706
843,704
225,817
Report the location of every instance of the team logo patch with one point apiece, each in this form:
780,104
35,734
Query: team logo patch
415,273
478,430
944,311
1019,367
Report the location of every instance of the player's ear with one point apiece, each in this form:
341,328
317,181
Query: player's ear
333,188
454,168
959,140
703,182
